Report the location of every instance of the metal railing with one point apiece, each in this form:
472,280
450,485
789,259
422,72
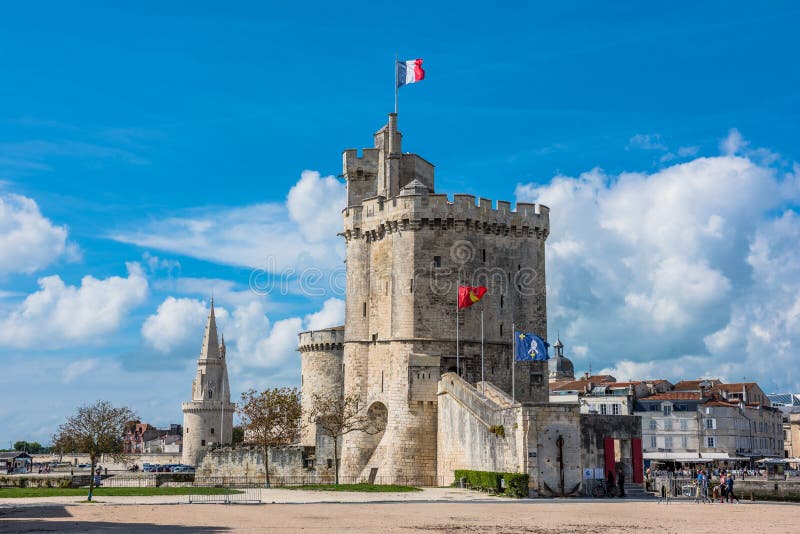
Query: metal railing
277,481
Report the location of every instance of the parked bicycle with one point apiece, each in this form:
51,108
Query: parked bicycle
603,489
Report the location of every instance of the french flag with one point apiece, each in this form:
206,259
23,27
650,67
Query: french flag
409,72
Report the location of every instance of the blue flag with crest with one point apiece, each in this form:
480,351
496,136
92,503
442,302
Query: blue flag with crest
530,347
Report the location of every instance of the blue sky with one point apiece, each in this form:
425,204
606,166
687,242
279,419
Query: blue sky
153,148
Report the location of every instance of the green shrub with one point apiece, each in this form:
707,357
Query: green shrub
516,484
498,430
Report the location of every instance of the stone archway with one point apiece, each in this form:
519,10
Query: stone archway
373,457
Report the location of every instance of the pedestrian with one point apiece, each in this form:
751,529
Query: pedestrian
704,487
731,495
610,482
723,487
698,492
621,482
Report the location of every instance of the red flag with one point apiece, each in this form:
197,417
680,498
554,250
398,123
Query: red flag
468,295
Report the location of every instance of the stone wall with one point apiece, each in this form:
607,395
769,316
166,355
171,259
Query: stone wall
595,428
553,472
469,430
249,462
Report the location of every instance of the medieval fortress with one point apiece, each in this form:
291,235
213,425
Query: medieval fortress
407,251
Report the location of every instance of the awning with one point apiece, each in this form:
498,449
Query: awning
690,457
672,456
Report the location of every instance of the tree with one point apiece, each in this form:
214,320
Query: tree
94,429
237,434
337,416
33,447
271,418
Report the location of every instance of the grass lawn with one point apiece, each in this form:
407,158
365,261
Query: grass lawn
10,493
375,488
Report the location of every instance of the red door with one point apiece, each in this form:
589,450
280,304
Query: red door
636,458
608,451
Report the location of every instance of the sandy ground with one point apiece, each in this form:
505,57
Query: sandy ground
496,516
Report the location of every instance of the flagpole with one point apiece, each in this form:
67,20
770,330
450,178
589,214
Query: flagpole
483,381
513,361
395,83
458,362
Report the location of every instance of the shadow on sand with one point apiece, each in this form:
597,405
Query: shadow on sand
52,519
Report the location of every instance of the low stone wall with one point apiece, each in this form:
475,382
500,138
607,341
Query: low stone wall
757,489
289,461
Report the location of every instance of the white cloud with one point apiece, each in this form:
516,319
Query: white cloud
28,240
681,272
59,315
78,369
293,235
175,324
733,143
646,142
252,339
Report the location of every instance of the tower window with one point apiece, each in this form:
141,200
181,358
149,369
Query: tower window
483,251
501,331
437,261
202,443
501,305
212,431
364,309
210,393
411,286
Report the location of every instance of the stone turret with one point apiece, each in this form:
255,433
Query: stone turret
321,371
208,417
560,367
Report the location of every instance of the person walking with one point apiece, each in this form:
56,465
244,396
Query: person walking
731,495
610,483
621,482
698,491
723,487
704,488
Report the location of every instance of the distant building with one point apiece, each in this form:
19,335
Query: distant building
138,436
789,405
560,368
170,443
706,422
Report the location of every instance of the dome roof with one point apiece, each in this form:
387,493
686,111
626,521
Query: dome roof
562,365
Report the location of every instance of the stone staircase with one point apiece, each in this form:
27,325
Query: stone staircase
637,491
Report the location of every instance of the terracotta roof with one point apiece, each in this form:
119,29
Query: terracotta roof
684,385
601,378
566,386
620,384
674,395
719,403
734,387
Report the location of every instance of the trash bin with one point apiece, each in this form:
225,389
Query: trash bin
463,482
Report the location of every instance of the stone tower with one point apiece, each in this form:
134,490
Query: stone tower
407,250
321,354
208,417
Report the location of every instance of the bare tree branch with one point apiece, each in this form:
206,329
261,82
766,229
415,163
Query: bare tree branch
271,418
94,429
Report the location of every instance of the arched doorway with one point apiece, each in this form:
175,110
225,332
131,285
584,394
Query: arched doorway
378,415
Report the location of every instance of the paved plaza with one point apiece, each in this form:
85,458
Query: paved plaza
434,510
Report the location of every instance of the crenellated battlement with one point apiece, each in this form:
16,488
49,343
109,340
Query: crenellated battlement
329,339
416,212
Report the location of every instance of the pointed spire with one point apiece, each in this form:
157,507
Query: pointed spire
210,340
222,345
